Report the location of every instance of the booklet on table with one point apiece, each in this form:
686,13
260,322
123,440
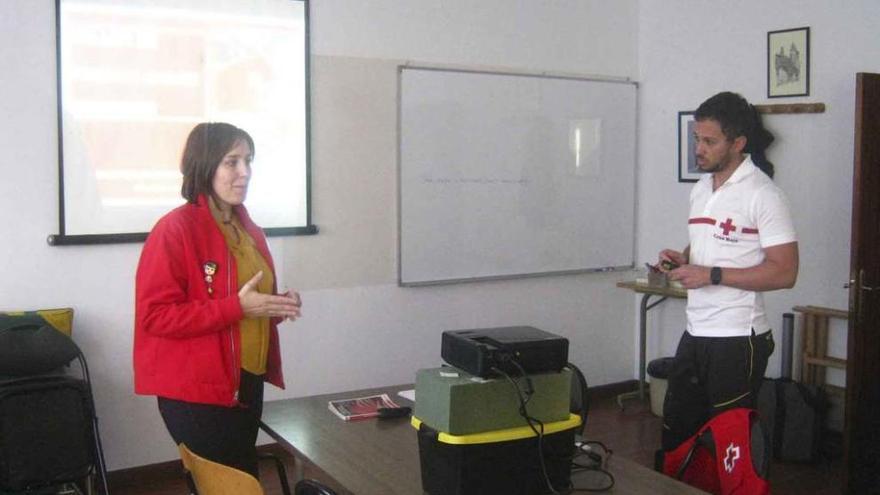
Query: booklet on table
360,407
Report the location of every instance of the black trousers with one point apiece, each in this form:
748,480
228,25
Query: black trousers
227,435
711,375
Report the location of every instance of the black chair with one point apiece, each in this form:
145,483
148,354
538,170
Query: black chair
580,396
279,466
48,425
312,487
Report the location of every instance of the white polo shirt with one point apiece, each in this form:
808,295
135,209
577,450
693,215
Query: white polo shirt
730,228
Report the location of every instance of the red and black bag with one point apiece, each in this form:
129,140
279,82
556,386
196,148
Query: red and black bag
729,455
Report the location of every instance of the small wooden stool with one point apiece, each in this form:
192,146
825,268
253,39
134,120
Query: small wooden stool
814,343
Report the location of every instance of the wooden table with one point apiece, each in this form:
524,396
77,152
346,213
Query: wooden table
647,292
381,457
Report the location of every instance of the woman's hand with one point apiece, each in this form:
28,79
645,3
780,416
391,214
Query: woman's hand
295,296
257,305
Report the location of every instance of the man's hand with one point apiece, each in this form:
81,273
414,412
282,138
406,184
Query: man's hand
778,271
691,276
257,305
670,255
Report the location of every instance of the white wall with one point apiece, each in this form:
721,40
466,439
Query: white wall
579,36
359,328
691,50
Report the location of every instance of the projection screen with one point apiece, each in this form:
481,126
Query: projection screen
134,77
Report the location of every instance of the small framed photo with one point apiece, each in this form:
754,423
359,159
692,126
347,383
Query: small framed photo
788,62
688,171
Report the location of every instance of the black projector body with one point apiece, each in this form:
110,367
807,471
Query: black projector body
479,350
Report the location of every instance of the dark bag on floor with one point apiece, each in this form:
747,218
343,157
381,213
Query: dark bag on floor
793,415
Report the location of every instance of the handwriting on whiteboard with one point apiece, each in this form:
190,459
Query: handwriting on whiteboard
474,180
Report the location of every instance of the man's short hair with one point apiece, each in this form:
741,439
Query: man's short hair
731,111
738,118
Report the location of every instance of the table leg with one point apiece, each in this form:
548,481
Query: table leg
298,470
643,345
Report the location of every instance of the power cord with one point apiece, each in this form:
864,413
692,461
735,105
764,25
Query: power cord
596,462
524,396
587,458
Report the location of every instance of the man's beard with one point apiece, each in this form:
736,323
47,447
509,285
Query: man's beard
711,168
717,166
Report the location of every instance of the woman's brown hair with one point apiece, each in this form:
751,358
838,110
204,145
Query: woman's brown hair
205,147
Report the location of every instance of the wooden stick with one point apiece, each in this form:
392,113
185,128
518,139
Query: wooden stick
810,349
819,310
828,362
791,108
821,347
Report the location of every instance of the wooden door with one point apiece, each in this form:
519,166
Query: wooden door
862,428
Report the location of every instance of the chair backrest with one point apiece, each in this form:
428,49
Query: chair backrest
212,478
312,487
580,396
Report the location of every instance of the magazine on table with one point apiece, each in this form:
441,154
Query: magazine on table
361,407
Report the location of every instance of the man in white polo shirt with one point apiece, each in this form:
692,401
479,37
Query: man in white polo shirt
742,243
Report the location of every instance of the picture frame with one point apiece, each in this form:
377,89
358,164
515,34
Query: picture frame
688,170
788,62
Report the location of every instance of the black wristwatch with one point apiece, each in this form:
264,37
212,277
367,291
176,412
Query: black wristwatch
715,275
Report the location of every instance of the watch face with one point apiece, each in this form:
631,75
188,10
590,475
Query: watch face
715,275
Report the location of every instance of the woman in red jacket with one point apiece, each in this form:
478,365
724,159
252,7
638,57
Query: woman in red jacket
206,308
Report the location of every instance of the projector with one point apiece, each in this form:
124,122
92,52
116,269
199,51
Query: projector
480,351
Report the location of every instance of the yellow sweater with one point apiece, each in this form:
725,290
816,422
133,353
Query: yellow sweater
254,331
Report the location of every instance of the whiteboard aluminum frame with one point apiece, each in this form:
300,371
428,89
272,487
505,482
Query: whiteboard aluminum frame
506,72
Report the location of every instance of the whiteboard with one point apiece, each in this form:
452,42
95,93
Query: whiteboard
506,175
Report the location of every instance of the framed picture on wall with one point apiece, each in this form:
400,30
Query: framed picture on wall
688,171
788,62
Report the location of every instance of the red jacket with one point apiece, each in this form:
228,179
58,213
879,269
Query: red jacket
187,344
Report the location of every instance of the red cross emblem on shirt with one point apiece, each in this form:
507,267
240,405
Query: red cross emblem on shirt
728,226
